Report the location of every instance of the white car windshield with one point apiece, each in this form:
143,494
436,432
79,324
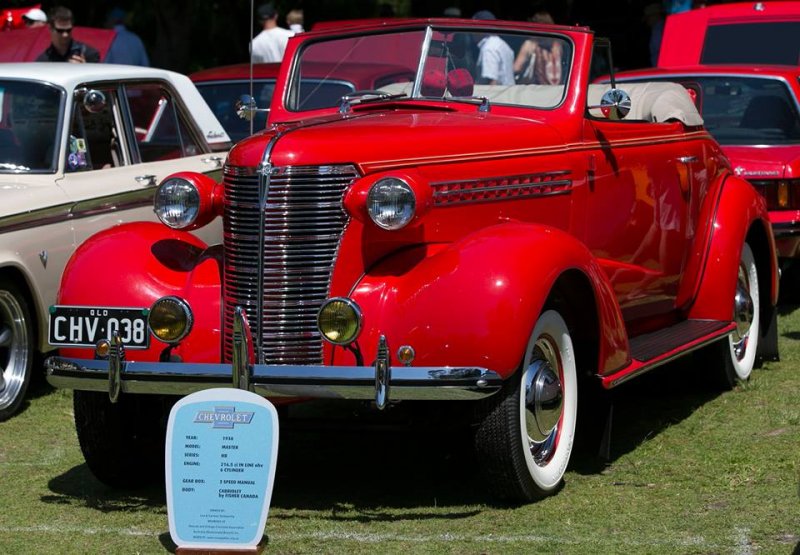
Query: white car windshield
29,124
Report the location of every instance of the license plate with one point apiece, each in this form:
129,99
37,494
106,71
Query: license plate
84,326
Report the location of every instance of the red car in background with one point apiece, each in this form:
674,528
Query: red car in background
738,33
754,114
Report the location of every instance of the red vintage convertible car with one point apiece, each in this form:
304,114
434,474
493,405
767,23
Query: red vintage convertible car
754,113
444,239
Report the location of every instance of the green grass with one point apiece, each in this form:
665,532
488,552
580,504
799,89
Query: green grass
690,472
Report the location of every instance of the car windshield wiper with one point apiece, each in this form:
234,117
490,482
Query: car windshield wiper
483,102
364,97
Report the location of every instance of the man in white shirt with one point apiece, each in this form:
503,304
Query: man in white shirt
270,44
495,57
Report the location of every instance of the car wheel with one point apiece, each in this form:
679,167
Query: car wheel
16,348
732,360
123,442
525,436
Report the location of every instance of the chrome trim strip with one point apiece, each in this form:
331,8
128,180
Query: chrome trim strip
489,189
554,173
504,188
73,211
263,171
426,44
35,218
336,382
661,361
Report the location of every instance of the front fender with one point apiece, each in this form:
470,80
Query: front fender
739,212
133,265
475,302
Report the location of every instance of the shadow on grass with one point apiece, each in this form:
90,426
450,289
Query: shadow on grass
79,485
644,407
353,462
405,457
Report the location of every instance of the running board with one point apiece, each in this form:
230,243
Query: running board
651,350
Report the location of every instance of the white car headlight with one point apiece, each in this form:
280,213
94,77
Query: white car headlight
391,203
177,203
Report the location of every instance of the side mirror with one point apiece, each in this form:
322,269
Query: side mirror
615,104
246,107
93,101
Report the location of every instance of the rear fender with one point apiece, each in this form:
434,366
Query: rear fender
740,215
135,264
475,302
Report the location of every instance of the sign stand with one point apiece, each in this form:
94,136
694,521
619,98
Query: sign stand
221,454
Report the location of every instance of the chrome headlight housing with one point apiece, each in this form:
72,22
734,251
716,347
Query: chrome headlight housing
170,319
339,320
391,203
177,203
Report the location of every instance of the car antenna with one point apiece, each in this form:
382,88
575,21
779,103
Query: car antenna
250,54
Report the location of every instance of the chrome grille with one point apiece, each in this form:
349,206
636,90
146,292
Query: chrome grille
303,222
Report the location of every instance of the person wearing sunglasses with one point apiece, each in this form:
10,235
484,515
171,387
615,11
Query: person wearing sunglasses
63,48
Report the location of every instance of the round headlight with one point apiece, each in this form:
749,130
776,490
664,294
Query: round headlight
339,321
170,319
391,203
177,203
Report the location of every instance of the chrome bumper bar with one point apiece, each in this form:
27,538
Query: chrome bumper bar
380,382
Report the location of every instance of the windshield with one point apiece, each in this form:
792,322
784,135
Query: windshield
746,110
29,123
775,42
522,69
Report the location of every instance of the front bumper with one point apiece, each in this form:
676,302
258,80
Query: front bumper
379,382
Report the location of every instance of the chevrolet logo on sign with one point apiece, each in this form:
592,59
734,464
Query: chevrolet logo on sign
223,417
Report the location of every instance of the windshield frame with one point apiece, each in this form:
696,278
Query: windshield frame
55,159
522,32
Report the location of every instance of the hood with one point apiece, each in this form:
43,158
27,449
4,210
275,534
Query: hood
390,139
764,162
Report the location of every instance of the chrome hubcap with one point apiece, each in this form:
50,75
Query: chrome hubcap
743,313
543,401
13,349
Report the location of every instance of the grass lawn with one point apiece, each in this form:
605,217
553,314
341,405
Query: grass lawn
690,472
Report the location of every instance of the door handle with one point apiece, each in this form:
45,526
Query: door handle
148,180
687,159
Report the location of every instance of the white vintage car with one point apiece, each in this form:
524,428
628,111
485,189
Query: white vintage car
82,148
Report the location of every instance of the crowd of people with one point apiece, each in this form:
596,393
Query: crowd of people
536,61
125,48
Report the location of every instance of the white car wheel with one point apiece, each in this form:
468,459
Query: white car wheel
525,438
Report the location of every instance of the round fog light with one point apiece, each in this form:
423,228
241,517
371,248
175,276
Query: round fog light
339,321
170,319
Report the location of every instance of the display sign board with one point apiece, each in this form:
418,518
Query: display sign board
221,453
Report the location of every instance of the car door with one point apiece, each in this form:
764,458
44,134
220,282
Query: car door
119,150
